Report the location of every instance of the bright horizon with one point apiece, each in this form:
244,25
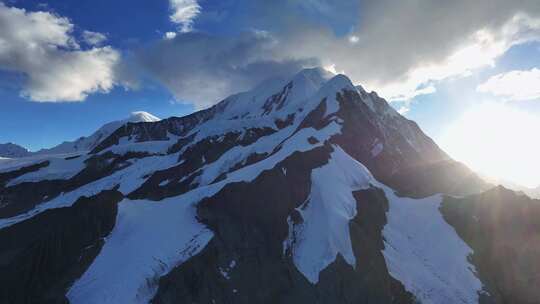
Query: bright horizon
495,141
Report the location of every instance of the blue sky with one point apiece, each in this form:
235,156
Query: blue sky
36,125
488,55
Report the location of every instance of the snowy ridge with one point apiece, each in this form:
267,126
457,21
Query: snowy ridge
330,206
85,144
425,253
421,249
293,93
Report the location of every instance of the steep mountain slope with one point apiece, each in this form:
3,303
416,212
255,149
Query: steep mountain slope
507,260
306,190
88,143
83,144
10,150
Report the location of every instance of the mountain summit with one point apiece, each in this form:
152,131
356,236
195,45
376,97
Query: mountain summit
11,150
88,143
303,190
83,144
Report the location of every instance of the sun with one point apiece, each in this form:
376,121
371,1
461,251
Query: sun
498,141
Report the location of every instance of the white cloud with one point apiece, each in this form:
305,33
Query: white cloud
72,76
514,85
184,12
353,39
94,38
41,46
394,48
398,75
481,49
169,35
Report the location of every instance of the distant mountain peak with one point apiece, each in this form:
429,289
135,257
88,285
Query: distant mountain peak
11,150
142,116
87,143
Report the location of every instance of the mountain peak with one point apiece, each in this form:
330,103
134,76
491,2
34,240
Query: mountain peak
316,74
11,150
338,82
87,143
142,116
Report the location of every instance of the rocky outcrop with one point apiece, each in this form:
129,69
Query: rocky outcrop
397,152
41,257
244,262
503,229
22,197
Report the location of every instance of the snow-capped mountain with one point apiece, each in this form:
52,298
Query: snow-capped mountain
303,190
11,150
90,142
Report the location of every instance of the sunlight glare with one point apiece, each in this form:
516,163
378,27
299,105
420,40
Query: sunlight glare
498,141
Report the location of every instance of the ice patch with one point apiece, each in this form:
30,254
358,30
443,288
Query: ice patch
425,253
149,239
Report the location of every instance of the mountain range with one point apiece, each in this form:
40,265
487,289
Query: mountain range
302,190
82,144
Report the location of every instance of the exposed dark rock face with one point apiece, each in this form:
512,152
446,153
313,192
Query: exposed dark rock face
7,176
23,197
250,230
372,282
152,131
283,123
276,101
503,229
41,257
417,170
444,176
101,165
181,178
